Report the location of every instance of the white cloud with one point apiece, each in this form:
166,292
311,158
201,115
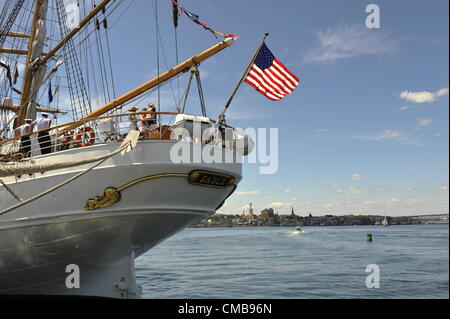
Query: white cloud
354,190
443,189
288,190
404,108
349,41
248,193
392,201
293,199
356,177
351,190
385,135
277,204
423,96
391,134
424,122
329,205
409,189
394,136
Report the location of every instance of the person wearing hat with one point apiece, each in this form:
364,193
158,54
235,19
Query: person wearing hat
147,120
133,118
151,117
43,137
25,143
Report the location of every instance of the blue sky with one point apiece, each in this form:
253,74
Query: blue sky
366,132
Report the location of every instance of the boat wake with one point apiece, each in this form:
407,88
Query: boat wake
296,232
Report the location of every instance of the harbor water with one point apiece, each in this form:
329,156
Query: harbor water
321,262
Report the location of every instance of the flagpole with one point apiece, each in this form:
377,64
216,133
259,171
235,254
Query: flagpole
221,118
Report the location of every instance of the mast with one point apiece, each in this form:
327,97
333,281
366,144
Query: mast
180,68
28,68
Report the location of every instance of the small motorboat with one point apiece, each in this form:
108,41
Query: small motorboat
298,230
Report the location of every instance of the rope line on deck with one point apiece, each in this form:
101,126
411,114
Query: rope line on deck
101,159
22,169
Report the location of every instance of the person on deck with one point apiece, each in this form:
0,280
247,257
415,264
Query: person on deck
144,122
133,118
151,118
43,137
25,143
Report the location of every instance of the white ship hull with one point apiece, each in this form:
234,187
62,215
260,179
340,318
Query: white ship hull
39,240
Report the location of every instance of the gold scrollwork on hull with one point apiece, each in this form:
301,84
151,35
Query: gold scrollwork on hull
112,195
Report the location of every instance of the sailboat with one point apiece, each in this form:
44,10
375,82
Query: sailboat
385,222
73,218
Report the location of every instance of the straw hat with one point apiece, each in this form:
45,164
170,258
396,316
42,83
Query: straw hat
133,109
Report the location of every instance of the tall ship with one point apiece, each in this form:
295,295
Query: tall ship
89,181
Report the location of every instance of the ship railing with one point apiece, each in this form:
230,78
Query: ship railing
94,131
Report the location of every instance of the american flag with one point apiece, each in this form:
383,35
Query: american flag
270,77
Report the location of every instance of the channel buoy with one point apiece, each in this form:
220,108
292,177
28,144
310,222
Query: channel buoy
369,237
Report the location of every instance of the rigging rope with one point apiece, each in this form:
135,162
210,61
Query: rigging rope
110,63
22,169
195,18
155,9
214,14
175,13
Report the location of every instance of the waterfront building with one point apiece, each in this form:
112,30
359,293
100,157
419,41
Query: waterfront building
267,213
